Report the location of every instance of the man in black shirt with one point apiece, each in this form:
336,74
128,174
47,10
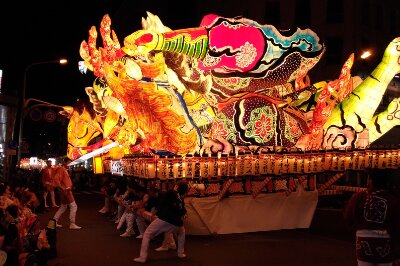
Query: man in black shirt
170,214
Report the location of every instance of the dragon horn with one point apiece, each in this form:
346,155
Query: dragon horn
67,111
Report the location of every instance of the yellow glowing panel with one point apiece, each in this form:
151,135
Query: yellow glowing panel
98,165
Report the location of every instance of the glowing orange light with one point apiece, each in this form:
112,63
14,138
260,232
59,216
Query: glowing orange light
365,55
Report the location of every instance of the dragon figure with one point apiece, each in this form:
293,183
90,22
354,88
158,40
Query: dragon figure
232,82
345,121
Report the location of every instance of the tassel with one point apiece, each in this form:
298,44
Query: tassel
225,188
330,182
258,189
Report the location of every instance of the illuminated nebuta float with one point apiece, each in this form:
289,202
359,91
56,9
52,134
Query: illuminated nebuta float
228,105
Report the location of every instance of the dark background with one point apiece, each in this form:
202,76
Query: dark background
37,31
40,31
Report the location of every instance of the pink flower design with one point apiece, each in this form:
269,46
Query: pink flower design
218,130
263,126
294,128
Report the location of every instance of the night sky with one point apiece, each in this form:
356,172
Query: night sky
36,31
39,31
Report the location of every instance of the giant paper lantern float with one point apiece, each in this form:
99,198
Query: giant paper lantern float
229,100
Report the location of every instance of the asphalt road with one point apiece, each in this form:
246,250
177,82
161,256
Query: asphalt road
99,243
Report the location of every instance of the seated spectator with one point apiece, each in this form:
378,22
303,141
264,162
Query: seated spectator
12,243
6,198
27,198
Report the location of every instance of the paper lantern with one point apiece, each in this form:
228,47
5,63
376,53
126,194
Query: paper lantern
299,163
396,159
306,163
328,161
348,163
263,164
291,162
162,169
392,159
204,166
382,161
320,165
178,167
256,166
314,162
248,162
285,164
223,166
213,166
231,166
197,165
240,165
150,168
188,166
170,167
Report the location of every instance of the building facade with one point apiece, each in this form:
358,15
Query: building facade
8,143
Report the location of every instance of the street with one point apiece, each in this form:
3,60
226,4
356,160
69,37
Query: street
99,243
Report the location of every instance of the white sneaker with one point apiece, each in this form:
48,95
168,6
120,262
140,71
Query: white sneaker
126,234
182,255
139,237
162,248
74,227
140,260
58,225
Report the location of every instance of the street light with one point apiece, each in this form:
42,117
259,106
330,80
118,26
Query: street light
366,54
363,62
24,103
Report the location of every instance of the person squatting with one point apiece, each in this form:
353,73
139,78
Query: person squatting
153,211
